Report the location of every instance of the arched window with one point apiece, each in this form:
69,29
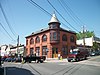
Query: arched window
64,38
37,39
31,41
44,38
72,39
26,42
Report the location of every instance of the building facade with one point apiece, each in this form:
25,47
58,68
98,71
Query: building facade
17,50
10,50
4,50
51,41
89,42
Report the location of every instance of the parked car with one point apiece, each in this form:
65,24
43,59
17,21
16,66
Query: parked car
92,54
38,59
2,59
19,59
13,59
97,52
8,59
77,54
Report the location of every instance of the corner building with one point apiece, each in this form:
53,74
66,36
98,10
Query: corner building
51,41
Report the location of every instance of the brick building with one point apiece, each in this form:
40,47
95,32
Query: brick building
51,41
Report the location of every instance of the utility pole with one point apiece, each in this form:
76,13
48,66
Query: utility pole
18,46
83,36
0,60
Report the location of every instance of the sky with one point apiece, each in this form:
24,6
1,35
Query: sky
25,18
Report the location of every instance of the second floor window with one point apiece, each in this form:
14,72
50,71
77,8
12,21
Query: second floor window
31,41
44,38
26,42
72,39
64,38
37,39
54,36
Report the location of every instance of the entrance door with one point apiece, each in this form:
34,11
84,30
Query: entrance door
55,52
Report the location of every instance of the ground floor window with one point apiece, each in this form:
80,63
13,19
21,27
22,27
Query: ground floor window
31,51
72,47
65,50
44,50
37,51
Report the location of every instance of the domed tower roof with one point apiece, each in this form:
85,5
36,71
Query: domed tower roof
54,19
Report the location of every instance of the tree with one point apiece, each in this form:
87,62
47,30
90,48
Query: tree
87,34
95,46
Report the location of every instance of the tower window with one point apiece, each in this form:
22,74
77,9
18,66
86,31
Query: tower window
54,26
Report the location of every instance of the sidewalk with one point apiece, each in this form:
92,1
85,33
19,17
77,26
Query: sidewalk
55,60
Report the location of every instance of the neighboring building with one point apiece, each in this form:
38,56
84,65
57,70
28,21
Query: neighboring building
3,50
17,50
9,50
0,50
51,41
88,41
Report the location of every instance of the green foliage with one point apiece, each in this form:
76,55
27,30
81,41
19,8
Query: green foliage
95,46
86,34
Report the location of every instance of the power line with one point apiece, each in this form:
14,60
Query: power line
65,25
45,11
61,15
38,6
6,31
65,3
66,11
71,12
11,29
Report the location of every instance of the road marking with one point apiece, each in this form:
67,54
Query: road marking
4,70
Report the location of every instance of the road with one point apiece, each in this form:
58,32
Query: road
86,67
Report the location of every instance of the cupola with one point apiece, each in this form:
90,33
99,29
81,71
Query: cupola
54,22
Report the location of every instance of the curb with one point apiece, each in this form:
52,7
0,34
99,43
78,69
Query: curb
55,61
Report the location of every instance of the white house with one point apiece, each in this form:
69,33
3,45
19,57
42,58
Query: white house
17,50
8,50
88,41
3,50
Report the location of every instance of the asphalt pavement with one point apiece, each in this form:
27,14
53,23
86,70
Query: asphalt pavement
55,67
